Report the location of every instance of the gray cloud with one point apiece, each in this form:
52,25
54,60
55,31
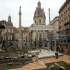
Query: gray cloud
27,7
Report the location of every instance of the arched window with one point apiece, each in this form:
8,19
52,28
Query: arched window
39,20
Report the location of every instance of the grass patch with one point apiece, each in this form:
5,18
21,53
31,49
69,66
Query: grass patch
11,51
5,67
9,67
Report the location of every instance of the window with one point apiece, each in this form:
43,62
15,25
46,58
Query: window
39,20
3,22
65,27
10,30
67,19
35,21
62,33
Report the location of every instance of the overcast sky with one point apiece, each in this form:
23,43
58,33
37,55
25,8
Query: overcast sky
28,8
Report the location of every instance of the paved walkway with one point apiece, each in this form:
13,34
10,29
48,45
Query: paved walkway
44,53
64,58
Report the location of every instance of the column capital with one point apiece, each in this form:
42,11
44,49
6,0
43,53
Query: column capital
43,30
29,30
47,30
36,30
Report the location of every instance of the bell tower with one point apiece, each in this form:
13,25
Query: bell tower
9,18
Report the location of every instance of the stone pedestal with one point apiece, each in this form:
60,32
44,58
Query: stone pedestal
36,58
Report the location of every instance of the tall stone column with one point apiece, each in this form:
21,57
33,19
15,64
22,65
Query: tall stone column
22,39
50,39
47,34
20,43
20,23
14,43
48,46
43,38
29,40
6,42
37,39
55,44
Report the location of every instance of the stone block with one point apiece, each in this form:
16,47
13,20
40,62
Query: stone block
29,56
10,63
61,68
52,67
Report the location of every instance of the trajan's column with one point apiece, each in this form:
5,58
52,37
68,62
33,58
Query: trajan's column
19,44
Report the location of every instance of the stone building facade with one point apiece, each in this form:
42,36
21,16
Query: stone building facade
55,24
11,30
39,19
24,32
64,22
8,29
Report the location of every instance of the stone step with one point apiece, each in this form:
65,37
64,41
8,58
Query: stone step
36,65
33,66
27,68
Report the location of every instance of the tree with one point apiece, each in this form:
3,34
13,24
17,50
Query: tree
1,27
